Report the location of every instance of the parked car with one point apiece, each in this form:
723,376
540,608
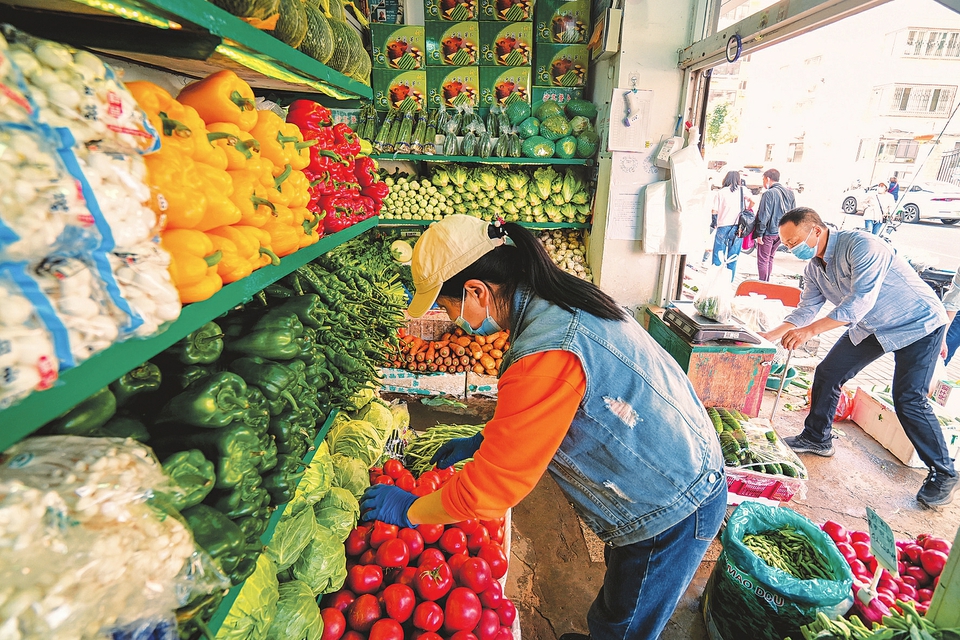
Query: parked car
934,200
752,176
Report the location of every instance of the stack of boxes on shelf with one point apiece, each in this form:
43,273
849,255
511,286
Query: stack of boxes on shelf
483,52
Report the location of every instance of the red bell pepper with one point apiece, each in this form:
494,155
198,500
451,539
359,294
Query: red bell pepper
339,212
346,142
365,168
308,114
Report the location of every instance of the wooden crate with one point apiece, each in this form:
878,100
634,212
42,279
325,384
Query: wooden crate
724,374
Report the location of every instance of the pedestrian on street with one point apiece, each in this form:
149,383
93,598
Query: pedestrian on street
586,394
951,301
729,201
774,202
879,209
893,188
887,308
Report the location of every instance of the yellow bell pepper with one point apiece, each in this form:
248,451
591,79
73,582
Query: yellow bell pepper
228,137
222,97
193,263
251,197
309,222
232,265
267,256
275,191
176,194
217,186
299,153
281,142
248,245
166,115
297,187
283,230
204,150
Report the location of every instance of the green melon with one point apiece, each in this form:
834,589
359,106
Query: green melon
581,108
318,43
292,25
566,147
528,128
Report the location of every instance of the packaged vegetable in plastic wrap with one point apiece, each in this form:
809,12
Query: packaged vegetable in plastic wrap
118,183
104,558
15,105
144,280
757,312
29,333
714,300
76,90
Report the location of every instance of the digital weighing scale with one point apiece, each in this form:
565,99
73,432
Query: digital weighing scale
684,319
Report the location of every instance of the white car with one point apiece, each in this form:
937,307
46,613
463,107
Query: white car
934,200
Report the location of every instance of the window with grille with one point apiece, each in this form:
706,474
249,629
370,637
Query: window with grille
768,157
923,43
919,100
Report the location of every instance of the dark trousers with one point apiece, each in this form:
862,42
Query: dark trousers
765,253
913,370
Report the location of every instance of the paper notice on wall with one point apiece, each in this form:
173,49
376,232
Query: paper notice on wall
628,174
629,119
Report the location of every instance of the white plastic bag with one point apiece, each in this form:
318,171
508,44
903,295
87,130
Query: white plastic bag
715,299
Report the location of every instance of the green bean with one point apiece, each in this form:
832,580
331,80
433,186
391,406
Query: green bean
425,445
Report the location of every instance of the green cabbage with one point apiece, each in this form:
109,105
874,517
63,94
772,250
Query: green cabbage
323,564
292,535
256,605
298,616
357,439
317,477
338,512
380,417
350,474
360,399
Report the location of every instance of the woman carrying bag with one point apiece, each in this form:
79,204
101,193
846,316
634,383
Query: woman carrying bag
728,205
878,210
586,394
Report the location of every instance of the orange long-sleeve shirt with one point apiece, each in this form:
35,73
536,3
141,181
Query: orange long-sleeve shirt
538,397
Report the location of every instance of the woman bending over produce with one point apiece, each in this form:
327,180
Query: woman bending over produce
585,393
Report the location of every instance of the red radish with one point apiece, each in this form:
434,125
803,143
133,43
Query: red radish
860,570
888,585
886,597
933,561
922,607
918,574
863,551
848,553
913,551
910,580
937,544
907,592
836,531
924,595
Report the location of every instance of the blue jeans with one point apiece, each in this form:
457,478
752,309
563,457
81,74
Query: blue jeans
913,370
953,338
873,226
727,244
645,580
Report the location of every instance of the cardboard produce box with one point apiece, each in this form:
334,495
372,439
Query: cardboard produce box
391,88
561,65
508,45
397,46
563,95
506,10
946,393
880,421
450,10
453,86
504,85
560,22
452,44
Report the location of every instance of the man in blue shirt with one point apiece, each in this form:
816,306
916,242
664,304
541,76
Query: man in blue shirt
887,307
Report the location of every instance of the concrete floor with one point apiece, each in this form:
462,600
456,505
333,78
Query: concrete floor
557,567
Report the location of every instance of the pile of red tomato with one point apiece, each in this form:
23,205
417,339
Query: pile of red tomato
431,582
919,563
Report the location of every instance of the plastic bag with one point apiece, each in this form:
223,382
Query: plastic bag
715,300
757,312
144,280
746,598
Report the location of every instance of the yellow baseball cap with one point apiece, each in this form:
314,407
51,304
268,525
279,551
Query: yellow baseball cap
445,249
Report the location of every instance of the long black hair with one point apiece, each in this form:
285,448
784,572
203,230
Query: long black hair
732,180
527,263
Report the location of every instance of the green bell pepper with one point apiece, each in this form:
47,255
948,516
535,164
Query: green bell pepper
233,450
244,569
193,474
188,375
211,402
268,444
88,416
238,504
257,416
252,528
281,483
280,319
278,344
124,427
143,379
292,432
309,308
203,346
275,380
217,535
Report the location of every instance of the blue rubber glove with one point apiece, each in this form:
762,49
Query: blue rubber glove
453,451
387,503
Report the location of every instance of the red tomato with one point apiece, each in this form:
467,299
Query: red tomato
363,612
430,532
428,616
386,629
468,526
863,551
398,601
374,472
937,544
494,555
414,542
405,576
922,607
933,561
393,554
339,600
860,570
393,468
492,596
499,536
334,624
888,585
507,612
353,635
859,536
886,597
381,533
365,578
477,539
913,551
833,529
430,558
489,625
462,610
433,583
357,542
907,593
383,480
918,574
426,635
493,525
847,551
475,574
910,580
453,541
406,482
368,557
423,490
430,477
462,635
456,561
924,595
445,474
506,633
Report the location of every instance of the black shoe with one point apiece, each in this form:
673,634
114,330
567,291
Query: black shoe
937,489
801,445
574,636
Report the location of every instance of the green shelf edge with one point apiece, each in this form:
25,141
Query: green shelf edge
386,222
474,159
80,382
221,613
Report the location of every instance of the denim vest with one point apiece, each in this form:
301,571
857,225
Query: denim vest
641,454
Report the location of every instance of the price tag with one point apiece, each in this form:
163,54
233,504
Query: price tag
882,543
